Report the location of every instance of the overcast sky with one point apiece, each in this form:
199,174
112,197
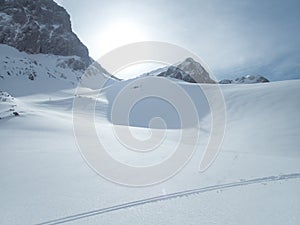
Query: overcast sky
234,37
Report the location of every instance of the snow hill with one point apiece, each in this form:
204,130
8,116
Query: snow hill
254,180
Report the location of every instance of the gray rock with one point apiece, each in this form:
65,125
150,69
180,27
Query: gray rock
225,81
40,26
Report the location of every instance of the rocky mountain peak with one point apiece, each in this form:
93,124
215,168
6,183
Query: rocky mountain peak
40,26
189,70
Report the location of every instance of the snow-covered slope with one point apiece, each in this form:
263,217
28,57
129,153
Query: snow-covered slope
22,74
254,180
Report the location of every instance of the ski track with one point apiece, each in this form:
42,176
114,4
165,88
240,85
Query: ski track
170,196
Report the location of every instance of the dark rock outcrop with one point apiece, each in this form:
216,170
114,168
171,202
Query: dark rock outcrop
40,26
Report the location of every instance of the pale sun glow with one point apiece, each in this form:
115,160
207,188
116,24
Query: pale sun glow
119,33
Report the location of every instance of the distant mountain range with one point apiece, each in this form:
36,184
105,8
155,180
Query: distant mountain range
191,71
44,47
249,79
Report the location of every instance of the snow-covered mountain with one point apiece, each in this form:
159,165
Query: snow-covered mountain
40,52
189,70
40,27
249,79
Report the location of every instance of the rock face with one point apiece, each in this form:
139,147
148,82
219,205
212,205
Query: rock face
40,26
189,70
249,79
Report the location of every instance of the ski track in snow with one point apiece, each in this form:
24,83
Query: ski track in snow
170,196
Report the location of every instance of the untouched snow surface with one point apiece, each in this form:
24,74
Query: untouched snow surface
44,177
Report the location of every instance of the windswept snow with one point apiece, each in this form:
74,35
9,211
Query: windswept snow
44,177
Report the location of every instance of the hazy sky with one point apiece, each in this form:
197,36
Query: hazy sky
234,37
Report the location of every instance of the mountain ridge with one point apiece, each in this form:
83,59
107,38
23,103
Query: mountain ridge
248,79
192,71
